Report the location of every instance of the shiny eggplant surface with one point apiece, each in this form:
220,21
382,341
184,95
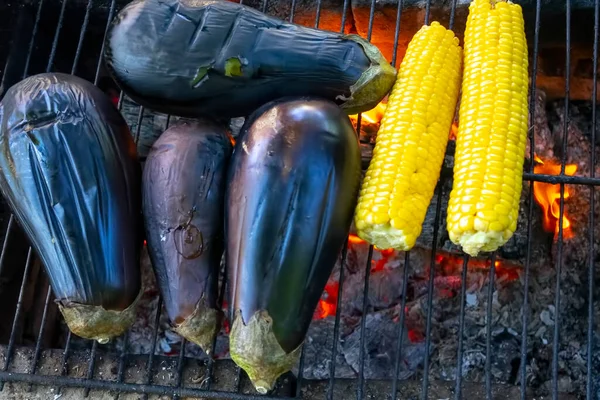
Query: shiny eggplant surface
183,194
292,187
69,171
222,59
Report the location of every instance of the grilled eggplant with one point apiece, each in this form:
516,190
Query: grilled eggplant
292,187
183,194
70,174
223,59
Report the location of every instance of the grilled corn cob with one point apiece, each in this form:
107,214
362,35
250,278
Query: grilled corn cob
492,133
411,141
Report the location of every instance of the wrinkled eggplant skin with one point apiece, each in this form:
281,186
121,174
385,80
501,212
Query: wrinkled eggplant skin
70,173
183,201
292,188
171,56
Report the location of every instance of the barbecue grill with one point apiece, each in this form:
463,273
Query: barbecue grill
67,36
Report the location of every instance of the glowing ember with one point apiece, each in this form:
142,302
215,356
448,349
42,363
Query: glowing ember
353,239
547,195
453,131
374,115
328,305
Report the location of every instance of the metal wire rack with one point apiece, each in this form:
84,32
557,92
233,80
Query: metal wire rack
91,382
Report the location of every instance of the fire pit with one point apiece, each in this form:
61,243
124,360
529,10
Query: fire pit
431,323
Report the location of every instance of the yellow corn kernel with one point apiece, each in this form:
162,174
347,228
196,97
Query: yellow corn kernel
411,142
492,132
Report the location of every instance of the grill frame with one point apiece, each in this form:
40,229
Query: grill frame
179,390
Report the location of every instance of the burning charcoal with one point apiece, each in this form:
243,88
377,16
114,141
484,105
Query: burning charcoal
381,329
385,290
317,352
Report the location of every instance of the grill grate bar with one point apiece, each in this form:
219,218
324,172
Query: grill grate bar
56,36
86,21
300,374
36,24
211,361
488,328
111,12
11,341
562,179
559,249
461,326
452,15
139,125
361,356
397,31
132,387
91,366
363,320
38,344
180,364
122,360
65,359
400,340
9,229
238,380
525,315
150,363
336,325
590,330
293,9
318,14
430,288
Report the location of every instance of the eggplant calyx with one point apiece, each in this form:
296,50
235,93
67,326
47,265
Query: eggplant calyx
255,349
96,322
373,84
201,326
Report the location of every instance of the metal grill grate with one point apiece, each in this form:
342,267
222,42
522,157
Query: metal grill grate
179,390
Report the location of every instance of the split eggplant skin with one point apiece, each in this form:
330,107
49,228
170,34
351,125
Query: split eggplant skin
222,59
69,171
183,201
292,187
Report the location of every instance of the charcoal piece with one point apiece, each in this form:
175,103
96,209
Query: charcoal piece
385,290
318,354
381,329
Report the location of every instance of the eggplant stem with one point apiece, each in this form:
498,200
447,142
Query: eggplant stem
256,350
96,322
201,326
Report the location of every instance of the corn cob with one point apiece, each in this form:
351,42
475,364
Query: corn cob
492,133
411,142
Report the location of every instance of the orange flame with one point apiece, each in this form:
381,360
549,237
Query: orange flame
328,305
547,195
353,239
453,131
373,116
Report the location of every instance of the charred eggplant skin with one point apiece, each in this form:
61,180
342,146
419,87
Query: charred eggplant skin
292,187
222,59
184,183
70,174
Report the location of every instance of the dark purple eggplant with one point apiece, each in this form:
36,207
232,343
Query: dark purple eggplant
223,59
183,194
292,187
70,173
